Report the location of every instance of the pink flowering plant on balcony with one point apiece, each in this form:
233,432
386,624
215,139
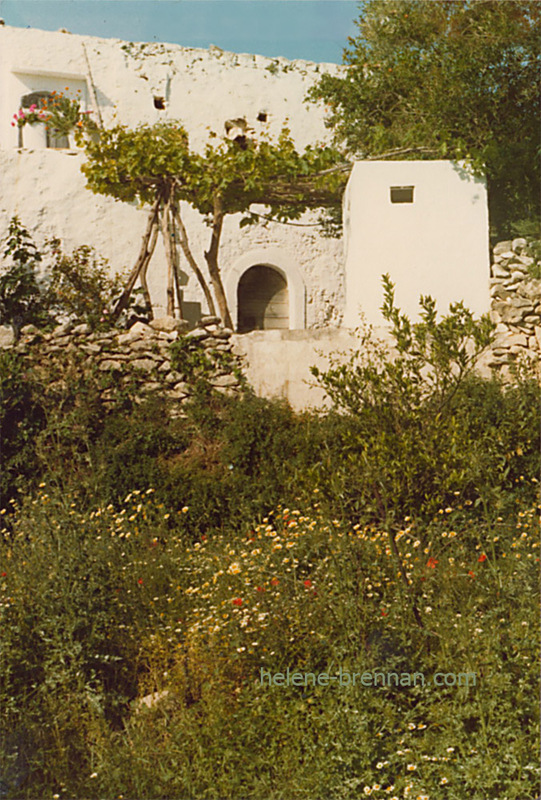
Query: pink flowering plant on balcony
60,114
29,116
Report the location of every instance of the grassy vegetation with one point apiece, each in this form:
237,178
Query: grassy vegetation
141,554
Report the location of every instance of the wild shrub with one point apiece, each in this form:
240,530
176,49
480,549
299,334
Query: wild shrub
51,414
22,417
417,427
229,459
23,296
81,286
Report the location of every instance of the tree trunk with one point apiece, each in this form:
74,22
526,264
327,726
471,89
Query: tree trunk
211,256
183,239
175,258
168,245
142,261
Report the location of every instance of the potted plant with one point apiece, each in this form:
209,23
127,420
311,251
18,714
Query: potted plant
34,118
64,113
60,115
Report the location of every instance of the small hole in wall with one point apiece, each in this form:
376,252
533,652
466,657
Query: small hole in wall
159,103
262,116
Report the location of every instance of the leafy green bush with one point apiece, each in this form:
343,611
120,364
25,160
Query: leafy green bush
77,285
417,426
229,459
23,298
50,416
22,417
81,286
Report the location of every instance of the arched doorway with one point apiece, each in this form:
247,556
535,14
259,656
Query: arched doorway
263,300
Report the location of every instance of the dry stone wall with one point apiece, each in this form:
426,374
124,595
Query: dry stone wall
141,356
276,362
515,289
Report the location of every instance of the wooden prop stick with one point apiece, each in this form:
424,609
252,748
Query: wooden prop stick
167,242
144,270
143,258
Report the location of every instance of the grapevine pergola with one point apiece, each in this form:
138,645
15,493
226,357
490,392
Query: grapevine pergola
155,166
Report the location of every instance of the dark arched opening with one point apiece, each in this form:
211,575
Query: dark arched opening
263,300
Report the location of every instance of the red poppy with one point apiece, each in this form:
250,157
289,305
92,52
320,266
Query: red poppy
140,581
471,574
432,563
260,588
275,582
308,583
383,613
237,601
482,557
4,574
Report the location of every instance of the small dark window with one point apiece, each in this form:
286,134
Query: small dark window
159,103
262,116
402,194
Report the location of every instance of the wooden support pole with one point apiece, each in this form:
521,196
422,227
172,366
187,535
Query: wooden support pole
168,246
142,260
144,270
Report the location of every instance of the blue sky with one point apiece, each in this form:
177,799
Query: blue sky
315,30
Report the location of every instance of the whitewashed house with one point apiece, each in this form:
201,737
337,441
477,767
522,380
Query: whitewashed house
425,223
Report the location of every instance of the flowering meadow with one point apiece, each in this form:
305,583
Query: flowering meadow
156,573
100,608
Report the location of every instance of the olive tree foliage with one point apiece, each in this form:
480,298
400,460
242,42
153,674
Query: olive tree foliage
155,166
457,79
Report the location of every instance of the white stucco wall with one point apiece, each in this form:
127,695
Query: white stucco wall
277,363
437,245
201,88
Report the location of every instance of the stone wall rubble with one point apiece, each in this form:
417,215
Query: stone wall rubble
515,289
141,355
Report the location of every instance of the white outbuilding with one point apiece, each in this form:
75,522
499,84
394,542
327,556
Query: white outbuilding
425,223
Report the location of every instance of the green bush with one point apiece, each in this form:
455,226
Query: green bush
23,299
417,427
81,286
50,416
230,459
22,417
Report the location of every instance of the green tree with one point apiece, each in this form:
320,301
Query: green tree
457,79
155,166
